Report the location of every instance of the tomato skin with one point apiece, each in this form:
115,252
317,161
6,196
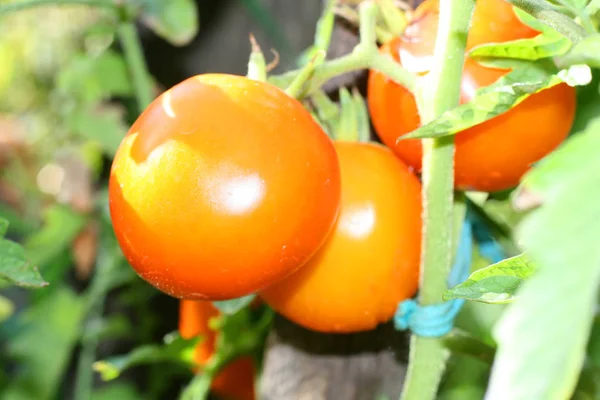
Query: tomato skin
222,186
371,261
491,156
236,380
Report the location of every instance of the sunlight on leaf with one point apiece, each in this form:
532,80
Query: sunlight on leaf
536,48
542,337
507,92
495,284
490,101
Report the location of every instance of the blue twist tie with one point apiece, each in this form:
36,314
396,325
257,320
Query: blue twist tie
488,246
437,320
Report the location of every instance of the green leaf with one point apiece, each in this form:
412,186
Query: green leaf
232,306
92,78
587,51
61,226
491,101
110,72
104,126
3,227
536,48
175,20
43,346
532,22
362,116
495,284
175,350
120,391
461,342
16,269
542,336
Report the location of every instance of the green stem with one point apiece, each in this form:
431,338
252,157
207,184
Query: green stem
132,48
583,16
440,92
364,56
23,5
108,260
547,14
199,388
297,88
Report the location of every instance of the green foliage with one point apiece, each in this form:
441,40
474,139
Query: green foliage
233,306
499,97
175,20
115,391
585,52
495,284
175,350
104,126
542,338
43,344
61,226
14,265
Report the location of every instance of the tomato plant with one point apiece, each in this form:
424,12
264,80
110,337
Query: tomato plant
236,380
379,226
523,135
223,186
283,251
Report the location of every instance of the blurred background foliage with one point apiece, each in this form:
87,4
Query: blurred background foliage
66,101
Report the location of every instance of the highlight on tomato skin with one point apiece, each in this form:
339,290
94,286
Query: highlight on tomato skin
491,156
223,186
236,380
371,261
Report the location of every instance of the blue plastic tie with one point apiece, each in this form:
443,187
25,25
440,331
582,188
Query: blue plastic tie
488,246
437,320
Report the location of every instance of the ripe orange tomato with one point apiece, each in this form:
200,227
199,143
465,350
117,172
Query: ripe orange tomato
371,261
492,21
223,186
236,380
491,156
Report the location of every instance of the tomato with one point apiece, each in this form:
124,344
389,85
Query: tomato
491,156
371,261
492,21
236,380
223,186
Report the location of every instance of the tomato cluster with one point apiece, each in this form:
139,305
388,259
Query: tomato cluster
491,156
226,186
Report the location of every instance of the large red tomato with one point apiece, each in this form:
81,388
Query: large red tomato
495,154
371,261
223,186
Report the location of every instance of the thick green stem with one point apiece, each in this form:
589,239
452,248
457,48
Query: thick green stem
132,48
440,92
547,14
23,5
